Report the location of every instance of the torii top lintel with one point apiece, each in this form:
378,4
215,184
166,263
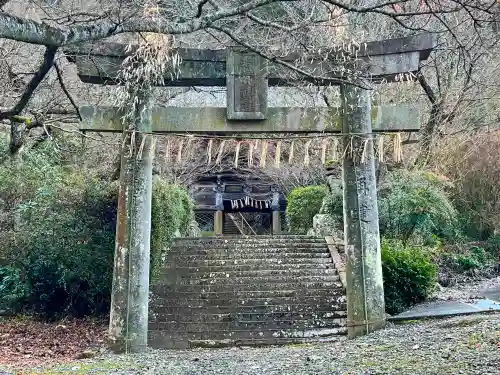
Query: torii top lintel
101,62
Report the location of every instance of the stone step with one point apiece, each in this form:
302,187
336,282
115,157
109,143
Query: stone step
245,246
256,238
235,257
303,324
196,317
232,282
250,294
287,305
210,289
168,339
259,262
253,255
232,298
264,342
230,273
230,250
253,267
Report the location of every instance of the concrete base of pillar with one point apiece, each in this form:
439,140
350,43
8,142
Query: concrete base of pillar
218,222
357,329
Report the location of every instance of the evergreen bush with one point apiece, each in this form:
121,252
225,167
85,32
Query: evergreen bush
414,205
333,205
471,259
409,276
171,212
13,291
61,256
302,204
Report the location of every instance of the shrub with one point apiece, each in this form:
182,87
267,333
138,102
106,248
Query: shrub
415,206
68,246
333,205
63,245
171,212
475,258
12,291
409,276
302,204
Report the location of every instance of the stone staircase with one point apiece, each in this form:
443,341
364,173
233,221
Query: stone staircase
230,228
253,290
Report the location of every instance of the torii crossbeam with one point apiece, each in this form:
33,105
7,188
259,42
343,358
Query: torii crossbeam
247,75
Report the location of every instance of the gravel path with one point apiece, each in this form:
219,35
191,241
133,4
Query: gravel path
461,345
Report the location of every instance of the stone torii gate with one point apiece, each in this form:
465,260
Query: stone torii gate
247,76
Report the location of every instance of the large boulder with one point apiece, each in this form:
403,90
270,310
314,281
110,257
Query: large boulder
329,220
326,225
194,229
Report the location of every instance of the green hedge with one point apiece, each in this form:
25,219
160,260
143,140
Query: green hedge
302,204
409,276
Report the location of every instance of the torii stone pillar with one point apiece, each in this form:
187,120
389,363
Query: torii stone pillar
365,294
128,324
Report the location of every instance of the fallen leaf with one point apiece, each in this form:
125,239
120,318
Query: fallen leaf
32,343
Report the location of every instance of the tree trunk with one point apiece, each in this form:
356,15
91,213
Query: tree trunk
428,131
365,289
18,137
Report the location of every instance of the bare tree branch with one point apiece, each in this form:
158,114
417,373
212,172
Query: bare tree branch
279,61
427,88
200,8
63,86
29,31
48,61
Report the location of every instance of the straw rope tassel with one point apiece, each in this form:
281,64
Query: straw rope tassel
237,154
179,151
250,154
335,150
306,152
124,140
132,143
141,147
263,154
189,147
167,151
209,151
398,152
400,142
346,149
153,147
277,157
219,155
380,148
323,151
290,156
365,149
